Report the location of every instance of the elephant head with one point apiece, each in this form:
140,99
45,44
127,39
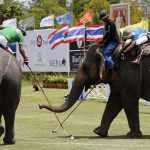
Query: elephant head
89,73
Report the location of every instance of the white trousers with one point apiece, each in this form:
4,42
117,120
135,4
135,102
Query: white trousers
141,40
3,41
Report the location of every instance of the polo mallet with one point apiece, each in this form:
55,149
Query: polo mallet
65,119
46,98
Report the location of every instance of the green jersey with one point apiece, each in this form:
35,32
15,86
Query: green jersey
12,34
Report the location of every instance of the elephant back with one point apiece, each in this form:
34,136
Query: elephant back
8,65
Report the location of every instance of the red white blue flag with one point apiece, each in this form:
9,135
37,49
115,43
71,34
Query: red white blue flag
75,33
64,19
94,32
87,17
57,37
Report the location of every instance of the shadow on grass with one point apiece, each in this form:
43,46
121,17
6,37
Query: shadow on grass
109,137
2,144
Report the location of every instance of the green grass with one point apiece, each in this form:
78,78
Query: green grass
34,126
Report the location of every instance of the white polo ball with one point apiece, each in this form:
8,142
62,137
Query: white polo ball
72,138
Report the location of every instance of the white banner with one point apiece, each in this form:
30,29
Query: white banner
28,22
47,21
41,57
10,23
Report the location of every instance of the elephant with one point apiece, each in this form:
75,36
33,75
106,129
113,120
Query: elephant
128,83
10,91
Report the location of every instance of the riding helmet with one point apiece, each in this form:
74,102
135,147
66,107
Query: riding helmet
103,14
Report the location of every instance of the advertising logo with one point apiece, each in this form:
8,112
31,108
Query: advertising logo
39,41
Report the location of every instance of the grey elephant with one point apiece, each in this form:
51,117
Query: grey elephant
10,89
128,84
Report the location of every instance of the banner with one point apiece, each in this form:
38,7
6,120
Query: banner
76,58
10,23
28,22
47,21
41,57
76,55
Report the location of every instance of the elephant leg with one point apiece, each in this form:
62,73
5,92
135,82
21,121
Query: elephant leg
9,118
1,127
130,91
113,107
131,107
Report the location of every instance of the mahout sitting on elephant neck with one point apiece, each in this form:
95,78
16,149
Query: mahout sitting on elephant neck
131,83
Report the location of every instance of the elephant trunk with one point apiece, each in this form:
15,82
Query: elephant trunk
73,96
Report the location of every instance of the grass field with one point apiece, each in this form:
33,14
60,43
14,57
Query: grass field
34,126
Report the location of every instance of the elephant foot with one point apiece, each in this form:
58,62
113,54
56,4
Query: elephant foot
134,134
101,131
1,130
8,141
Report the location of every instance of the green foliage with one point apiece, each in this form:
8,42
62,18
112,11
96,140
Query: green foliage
96,6
42,8
80,7
10,9
46,77
136,12
55,79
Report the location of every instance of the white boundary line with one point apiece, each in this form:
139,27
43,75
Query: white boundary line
90,144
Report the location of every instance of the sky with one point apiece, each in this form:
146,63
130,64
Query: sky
25,1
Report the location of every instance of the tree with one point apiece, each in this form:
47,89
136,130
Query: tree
80,7
11,9
43,8
96,6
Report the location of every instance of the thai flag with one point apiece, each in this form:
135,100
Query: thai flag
64,19
57,37
75,33
94,33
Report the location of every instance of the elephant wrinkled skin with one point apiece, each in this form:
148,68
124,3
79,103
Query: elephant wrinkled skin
10,89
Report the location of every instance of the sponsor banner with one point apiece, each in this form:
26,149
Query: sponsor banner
77,52
76,58
41,57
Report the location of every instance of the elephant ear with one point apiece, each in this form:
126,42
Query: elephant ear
102,62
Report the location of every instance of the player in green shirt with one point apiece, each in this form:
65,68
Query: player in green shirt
13,35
